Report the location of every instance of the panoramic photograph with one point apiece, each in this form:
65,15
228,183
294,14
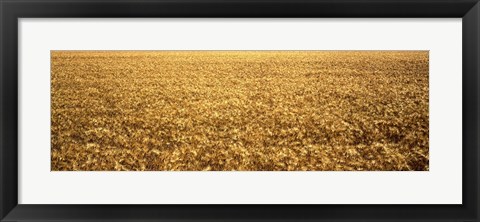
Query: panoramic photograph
239,110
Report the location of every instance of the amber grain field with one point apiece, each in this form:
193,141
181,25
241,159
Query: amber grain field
240,110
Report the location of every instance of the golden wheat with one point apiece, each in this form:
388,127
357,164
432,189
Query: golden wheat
239,110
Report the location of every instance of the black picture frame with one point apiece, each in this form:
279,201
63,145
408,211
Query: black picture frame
11,10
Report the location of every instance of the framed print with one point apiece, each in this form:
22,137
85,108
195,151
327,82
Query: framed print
225,110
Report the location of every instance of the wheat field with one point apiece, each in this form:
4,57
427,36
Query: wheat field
240,110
